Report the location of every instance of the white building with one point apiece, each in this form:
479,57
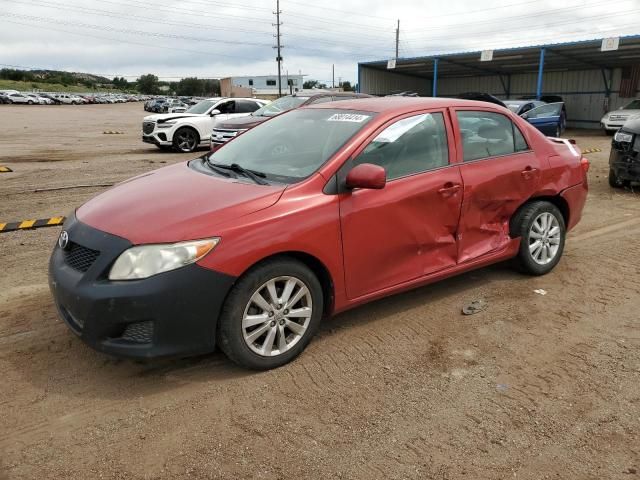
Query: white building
268,84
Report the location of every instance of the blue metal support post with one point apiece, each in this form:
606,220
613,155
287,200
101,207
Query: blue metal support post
434,91
540,72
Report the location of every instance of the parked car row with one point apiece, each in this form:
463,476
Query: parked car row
167,105
56,98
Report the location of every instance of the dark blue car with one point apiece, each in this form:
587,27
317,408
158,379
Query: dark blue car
548,118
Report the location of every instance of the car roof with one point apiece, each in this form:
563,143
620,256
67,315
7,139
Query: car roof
400,104
519,102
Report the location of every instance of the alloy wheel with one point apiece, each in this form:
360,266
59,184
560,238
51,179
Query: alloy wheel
186,141
277,316
544,238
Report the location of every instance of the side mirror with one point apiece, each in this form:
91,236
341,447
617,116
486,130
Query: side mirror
524,115
215,112
367,175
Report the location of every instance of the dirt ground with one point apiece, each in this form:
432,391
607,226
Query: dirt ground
534,387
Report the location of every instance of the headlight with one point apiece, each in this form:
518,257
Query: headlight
166,124
621,136
146,260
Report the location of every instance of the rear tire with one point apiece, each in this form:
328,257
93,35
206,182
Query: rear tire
265,334
541,228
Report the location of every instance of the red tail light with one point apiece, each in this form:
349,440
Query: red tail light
584,163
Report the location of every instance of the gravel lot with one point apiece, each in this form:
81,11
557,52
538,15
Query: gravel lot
534,387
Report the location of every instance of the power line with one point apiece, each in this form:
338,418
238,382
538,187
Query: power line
518,31
83,34
107,13
110,14
128,31
510,18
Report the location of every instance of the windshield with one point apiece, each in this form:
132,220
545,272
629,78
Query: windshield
292,146
544,111
281,105
635,105
202,107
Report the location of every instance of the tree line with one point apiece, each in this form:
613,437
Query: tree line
148,84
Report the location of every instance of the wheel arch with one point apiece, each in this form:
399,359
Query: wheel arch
556,200
314,264
185,125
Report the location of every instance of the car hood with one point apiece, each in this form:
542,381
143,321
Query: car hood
242,122
163,117
173,204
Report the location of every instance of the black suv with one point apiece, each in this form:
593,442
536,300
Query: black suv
624,160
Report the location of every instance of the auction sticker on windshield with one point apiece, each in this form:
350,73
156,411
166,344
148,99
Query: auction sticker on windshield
347,117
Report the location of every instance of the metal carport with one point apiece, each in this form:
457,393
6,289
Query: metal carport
590,80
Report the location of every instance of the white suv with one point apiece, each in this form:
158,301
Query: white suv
612,121
187,131
69,99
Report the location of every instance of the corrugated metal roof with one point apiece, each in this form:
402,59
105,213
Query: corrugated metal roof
582,54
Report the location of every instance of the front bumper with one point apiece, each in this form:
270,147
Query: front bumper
611,126
624,160
157,139
170,314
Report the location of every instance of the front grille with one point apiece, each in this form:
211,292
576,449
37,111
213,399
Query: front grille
139,332
618,118
78,257
148,127
222,135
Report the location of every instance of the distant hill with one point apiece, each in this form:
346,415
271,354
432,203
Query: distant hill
54,76
80,76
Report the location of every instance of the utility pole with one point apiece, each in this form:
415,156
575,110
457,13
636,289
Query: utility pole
333,75
397,38
278,46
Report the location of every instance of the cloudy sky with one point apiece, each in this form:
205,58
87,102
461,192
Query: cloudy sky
213,39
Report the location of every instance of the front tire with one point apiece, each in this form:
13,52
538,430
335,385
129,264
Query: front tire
271,314
185,140
614,180
541,228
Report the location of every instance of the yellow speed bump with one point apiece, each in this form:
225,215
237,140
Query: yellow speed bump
591,150
31,224
4,169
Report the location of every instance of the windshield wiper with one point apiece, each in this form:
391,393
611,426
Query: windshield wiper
219,169
252,174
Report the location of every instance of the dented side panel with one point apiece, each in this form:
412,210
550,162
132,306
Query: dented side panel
494,188
401,232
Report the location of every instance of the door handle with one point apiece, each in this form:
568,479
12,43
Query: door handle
529,172
449,189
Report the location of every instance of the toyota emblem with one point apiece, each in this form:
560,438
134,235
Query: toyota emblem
63,240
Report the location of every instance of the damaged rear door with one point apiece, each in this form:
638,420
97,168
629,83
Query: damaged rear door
499,171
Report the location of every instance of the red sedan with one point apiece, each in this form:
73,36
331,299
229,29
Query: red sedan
312,212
